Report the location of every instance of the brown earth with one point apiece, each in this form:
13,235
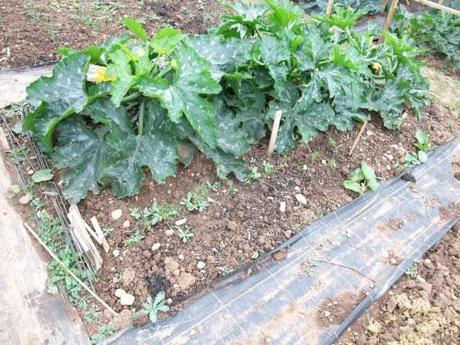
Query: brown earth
243,220
32,30
422,308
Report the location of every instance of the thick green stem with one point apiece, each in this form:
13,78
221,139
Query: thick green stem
131,97
163,72
141,118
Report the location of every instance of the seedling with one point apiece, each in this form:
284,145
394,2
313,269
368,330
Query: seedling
423,145
91,316
195,201
42,176
153,306
19,154
185,233
333,145
333,163
254,174
156,213
213,186
308,267
103,332
362,179
268,168
38,203
314,155
255,255
135,238
412,271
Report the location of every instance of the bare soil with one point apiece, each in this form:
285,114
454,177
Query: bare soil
32,30
422,308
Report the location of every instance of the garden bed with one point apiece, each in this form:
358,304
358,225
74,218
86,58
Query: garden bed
242,221
181,237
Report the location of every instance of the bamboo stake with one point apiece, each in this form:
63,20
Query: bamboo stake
360,133
275,129
439,7
83,285
389,19
330,6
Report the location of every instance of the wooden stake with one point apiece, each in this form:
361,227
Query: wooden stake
360,133
100,234
439,6
83,285
389,19
275,129
330,6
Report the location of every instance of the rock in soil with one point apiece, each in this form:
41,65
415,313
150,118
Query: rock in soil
200,265
116,214
301,199
283,206
26,199
156,246
125,298
128,276
185,280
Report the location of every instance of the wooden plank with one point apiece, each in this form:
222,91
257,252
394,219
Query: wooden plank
275,129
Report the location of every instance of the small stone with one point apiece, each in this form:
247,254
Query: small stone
30,171
327,313
169,232
127,224
283,206
301,199
181,257
119,292
123,319
181,222
171,266
232,225
393,261
156,246
116,214
146,254
306,215
185,280
128,276
391,305
200,265
288,234
127,299
116,253
26,199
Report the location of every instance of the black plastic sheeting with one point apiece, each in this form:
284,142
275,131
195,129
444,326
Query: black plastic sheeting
344,255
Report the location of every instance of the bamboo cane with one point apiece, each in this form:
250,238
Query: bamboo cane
389,19
275,129
330,5
83,285
439,6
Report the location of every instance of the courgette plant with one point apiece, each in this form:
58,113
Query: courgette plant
136,104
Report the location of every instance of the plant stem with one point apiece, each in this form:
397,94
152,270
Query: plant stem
131,97
141,118
163,72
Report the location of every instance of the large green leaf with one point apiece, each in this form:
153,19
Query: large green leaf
224,53
184,94
156,149
120,69
65,86
166,39
82,153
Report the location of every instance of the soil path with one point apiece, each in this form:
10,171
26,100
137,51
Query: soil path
29,315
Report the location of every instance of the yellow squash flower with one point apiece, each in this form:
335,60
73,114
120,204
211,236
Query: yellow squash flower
97,74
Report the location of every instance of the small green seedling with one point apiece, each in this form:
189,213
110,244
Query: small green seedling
333,145
135,238
214,186
153,306
362,179
423,145
195,201
104,331
185,233
42,175
156,213
268,168
423,141
314,155
255,255
19,154
254,174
